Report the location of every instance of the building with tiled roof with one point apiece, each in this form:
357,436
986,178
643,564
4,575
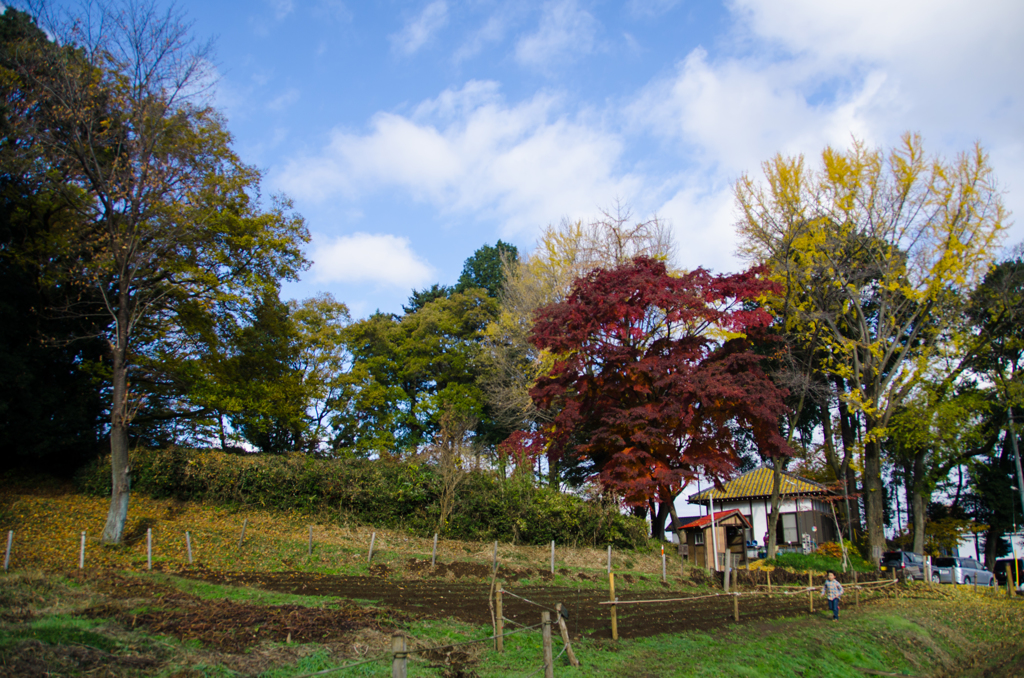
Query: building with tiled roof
802,511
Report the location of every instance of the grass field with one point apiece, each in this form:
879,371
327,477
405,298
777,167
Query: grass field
107,620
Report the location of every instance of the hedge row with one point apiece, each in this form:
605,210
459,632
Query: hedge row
378,493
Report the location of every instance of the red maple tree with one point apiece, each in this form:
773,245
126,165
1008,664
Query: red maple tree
654,373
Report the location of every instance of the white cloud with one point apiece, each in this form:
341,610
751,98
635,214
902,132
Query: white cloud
386,260
565,32
468,152
282,8
283,100
491,32
800,74
419,31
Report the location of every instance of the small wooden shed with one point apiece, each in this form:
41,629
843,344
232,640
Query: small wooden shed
730,534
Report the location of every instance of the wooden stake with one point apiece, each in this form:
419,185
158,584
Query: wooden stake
615,619
735,607
769,573
727,572
499,634
549,658
565,636
309,551
552,556
149,548
7,555
245,524
399,661
664,570
495,556
433,555
856,592
188,546
81,554
609,558
372,540
810,592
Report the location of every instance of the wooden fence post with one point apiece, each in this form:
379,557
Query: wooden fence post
245,523
664,566
549,659
81,554
7,554
565,635
149,548
499,634
735,607
611,593
433,554
609,558
188,546
769,573
309,550
810,590
399,661
495,556
372,540
856,593
728,571
552,556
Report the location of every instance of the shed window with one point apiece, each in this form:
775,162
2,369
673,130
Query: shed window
698,538
789,534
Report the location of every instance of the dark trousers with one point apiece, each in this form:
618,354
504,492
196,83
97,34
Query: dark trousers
834,606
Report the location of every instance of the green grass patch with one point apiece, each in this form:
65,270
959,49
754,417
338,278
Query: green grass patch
815,562
61,630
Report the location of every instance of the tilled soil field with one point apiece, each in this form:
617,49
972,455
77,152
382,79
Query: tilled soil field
466,598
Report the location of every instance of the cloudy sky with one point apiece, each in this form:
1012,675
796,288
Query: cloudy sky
411,133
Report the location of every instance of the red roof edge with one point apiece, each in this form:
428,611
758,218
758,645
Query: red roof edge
719,516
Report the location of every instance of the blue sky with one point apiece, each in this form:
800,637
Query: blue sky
411,133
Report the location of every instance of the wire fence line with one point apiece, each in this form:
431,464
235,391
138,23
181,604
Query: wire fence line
505,591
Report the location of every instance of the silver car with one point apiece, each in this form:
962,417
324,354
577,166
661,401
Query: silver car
966,571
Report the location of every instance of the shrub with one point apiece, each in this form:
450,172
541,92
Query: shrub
818,562
379,493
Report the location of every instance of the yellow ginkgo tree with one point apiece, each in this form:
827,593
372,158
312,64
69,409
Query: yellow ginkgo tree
878,252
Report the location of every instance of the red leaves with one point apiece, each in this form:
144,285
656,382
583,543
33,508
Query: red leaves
648,379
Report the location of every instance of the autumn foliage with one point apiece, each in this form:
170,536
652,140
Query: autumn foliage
654,373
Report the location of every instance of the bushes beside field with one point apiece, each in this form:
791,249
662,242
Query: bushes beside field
379,493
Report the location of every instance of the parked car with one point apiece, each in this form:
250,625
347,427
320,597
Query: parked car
1016,570
911,564
965,571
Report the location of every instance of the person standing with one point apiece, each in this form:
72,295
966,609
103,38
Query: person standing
833,590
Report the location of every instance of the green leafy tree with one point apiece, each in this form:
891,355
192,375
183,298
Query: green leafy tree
51,412
406,372
485,269
172,215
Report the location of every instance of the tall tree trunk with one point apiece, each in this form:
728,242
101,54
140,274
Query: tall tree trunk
848,424
920,501
992,538
113,531
874,497
675,528
659,511
773,517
